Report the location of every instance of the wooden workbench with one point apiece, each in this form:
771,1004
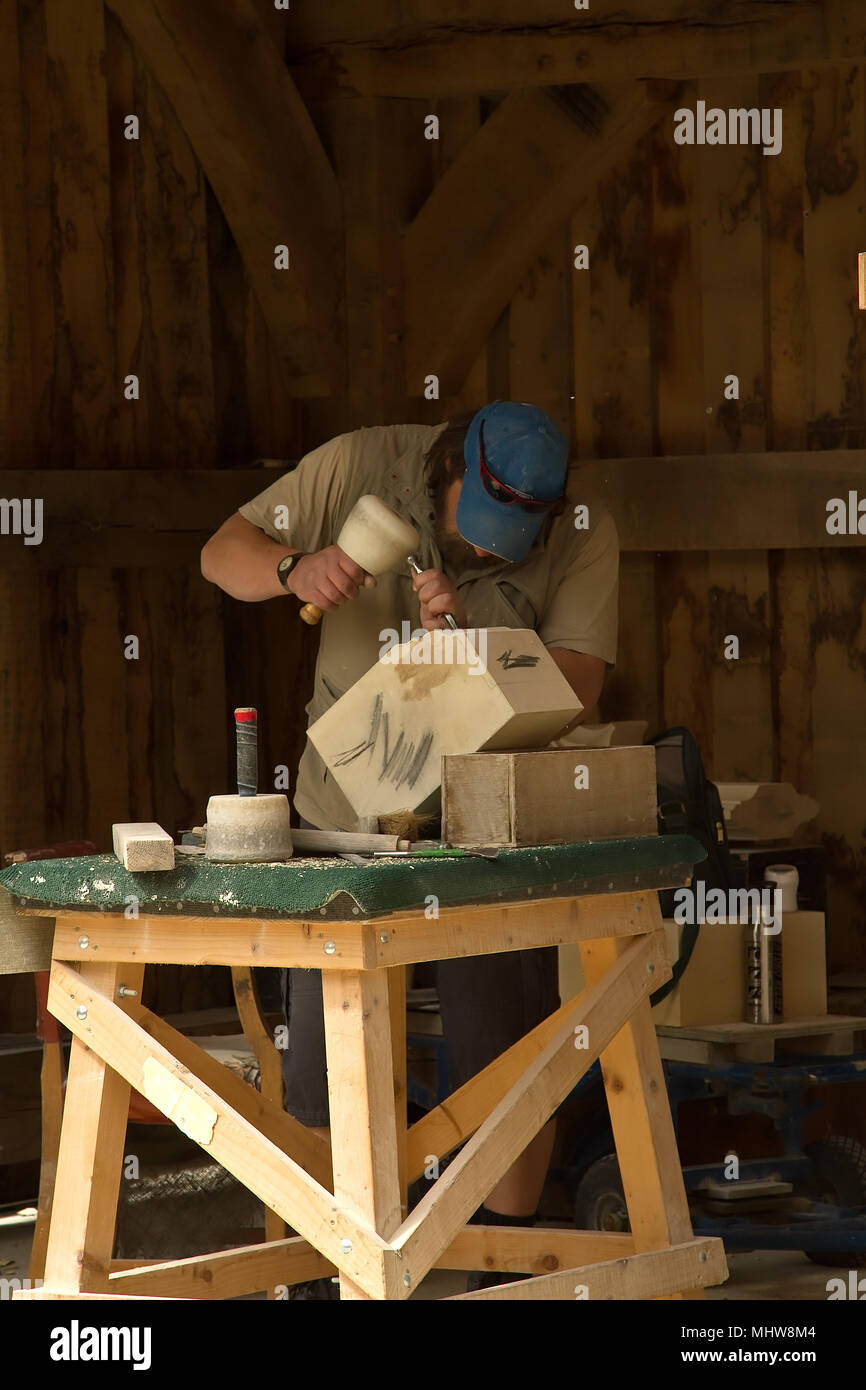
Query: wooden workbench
361,924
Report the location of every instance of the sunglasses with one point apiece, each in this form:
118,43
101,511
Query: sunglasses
501,492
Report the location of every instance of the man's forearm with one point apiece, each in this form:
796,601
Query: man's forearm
585,675
242,560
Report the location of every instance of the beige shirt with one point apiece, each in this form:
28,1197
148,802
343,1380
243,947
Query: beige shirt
565,590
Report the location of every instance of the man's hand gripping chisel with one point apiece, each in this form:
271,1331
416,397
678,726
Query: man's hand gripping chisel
417,567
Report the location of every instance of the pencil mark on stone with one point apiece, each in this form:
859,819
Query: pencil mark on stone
507,661
402,762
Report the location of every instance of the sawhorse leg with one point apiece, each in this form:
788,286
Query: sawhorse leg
397,1007
51,1085
90,1159
364,1144
640,1115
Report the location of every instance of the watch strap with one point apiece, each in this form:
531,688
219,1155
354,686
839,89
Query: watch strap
285,567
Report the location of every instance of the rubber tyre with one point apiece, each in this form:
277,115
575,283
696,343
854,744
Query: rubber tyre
840,1174
599,1202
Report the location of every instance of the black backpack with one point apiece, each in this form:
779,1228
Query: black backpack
689,804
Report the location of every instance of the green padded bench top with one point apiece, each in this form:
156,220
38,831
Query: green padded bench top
341,890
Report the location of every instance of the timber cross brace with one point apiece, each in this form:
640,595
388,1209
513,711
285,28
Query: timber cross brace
356,1223
284,193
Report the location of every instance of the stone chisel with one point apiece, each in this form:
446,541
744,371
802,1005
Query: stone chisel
414,564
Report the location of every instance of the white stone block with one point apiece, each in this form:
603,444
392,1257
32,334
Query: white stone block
445,692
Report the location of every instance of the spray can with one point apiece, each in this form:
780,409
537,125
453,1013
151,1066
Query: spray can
764,1000
763,973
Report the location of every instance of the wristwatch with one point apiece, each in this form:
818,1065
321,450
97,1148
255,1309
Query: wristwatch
283,569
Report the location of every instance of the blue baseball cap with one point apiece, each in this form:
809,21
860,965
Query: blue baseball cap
516,467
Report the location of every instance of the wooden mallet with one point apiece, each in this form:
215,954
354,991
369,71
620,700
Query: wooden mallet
375,537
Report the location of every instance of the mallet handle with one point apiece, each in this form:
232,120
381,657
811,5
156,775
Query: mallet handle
247,744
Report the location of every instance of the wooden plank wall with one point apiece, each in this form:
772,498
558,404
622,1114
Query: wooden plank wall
131,269
116,258
752,270
834,661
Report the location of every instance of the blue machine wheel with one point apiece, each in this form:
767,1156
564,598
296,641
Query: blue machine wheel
838,1177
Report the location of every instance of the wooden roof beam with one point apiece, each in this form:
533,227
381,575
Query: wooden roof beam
438,48
137,518
261,154
513,185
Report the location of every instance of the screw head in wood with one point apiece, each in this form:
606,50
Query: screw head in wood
650,970
346,1247
84,942
81,1011
329,948
407,1280
384,937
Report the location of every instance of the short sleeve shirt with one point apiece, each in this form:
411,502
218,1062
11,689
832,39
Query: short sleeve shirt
565,590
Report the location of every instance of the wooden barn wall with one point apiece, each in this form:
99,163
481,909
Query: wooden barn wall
117,258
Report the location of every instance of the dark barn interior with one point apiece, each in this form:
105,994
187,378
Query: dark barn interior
477,201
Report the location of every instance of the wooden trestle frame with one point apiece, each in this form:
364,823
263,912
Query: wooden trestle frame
356,1223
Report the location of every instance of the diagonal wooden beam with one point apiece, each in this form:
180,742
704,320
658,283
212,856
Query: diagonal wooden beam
522,175
51,1294
263,158
604,1009
436,48
232,1140
640,1118
449,1123
270,1066
307,1148
224,1274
